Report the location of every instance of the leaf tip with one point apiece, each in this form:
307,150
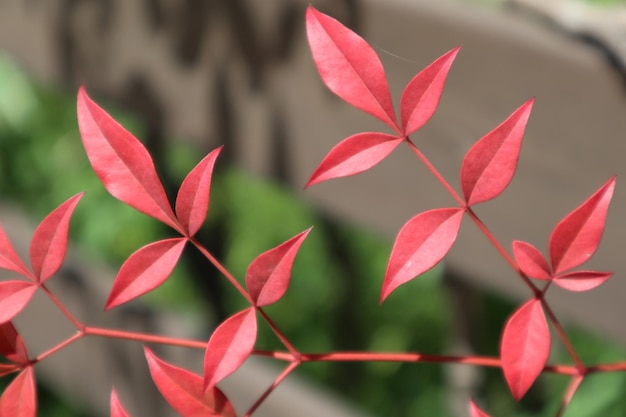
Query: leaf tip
452,53
383,296
475,411
529,103
82,96
310,182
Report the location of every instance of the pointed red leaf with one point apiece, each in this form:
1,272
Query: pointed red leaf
575,239
117,409
49,242
354,155
490,164
145,270
421,96
229,346
269,274
349,66
192,202
12,345
8,369
19,398
582,280
122,162
421,243
9,258
525,347
184,390
14,295
475,411
531,261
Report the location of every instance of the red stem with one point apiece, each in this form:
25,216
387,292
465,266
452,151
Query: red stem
563,336
292,350
496,244
63,344
569,393
281,356
485,361
79,325
222,269
143,337
436,173
290,368
608,367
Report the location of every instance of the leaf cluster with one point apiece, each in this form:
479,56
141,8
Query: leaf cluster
351,69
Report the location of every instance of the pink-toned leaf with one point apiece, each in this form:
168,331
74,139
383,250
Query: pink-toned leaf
12,345
269,274
421,96
354,155
49,243
19,398
9,258
575,239
489,165
8,369
421,243
582,280
229,346
475,411
14,295
525,347
145,270
184,390
531,261
192,202
117,409
349,66
122,162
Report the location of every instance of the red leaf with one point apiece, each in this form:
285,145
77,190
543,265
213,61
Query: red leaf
349,66
582,280
14,295
184,390
490,164
269,274
145,270
8,369
12,346
525,347
117,409
9,259
531,261
354,155
421,243
122,162
421,96
19,398
475,411
192,202
575,239
229,346
49,243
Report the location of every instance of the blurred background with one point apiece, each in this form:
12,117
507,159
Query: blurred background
188,76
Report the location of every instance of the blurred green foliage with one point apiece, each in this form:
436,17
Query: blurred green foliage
333,300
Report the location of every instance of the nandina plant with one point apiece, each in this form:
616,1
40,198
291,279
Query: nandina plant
352,70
